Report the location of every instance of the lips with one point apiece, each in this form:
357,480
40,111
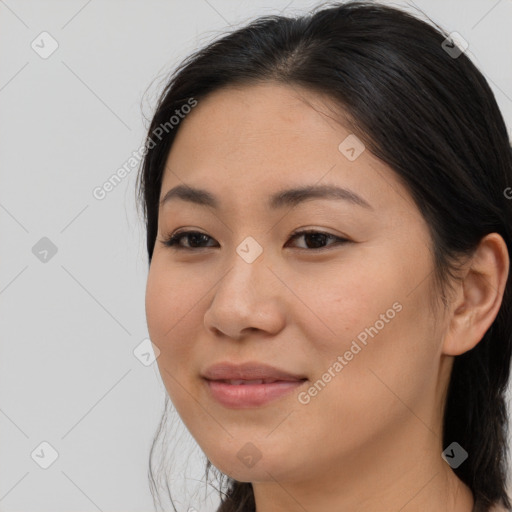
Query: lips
249,373
250,384
242,382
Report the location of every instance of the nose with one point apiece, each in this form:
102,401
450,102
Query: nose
248,297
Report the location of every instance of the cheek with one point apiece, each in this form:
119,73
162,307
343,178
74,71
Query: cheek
377,321
168,311
372,391
388,359
157,303
174,313
344,301
171,294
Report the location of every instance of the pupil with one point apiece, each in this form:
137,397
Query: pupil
315,237
195,238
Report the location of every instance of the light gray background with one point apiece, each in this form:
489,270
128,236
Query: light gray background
68,375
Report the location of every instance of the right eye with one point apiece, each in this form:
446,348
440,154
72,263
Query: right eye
193,237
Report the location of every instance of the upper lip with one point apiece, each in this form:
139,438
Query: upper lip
248,371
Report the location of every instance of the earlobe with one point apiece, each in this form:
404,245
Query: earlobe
479,297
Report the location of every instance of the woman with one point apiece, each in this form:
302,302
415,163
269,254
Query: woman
328,230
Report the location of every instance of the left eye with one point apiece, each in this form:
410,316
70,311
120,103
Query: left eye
315,238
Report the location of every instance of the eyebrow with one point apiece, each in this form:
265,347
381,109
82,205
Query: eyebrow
289,197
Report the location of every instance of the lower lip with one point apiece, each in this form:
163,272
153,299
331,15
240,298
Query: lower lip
239,396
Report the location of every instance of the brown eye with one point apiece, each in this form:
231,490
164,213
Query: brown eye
195,238
317,239
314,240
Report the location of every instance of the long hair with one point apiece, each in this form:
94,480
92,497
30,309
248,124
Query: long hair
428,113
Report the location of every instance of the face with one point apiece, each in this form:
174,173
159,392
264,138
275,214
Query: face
344,309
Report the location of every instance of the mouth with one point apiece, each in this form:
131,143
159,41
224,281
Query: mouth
244,382
250,384
244,394
249,371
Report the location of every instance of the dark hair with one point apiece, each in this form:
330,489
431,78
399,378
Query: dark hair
431,116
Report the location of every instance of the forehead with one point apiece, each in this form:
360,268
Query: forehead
259,139
234,120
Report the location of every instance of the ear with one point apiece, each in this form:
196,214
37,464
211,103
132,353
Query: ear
479,295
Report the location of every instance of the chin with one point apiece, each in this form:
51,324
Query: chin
260,472
247,463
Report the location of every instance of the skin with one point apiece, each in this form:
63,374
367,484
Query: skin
371,440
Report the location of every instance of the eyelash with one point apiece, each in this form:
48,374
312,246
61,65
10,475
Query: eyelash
172,241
